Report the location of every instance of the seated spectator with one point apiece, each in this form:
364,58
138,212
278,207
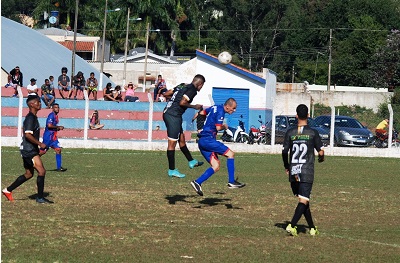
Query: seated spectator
15,79
91,85
48,95
117,94
160,87
130,93
32,88
63,84
79,84
108,93
95,121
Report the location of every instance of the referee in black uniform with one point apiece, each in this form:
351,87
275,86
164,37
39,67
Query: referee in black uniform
301,142
172,117
30,152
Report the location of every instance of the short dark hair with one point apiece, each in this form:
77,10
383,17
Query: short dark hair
229,101
302,112
32,97
56,104
200,77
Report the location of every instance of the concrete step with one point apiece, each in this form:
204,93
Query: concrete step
8,92
102,134
79,114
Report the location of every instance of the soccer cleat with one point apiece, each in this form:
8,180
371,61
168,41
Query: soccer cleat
314,231
194,163
175,173
7,194
61,169
43,201
235,184
291,230
197,187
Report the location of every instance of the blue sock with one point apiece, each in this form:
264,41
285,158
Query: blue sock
58,161
207,174
230,164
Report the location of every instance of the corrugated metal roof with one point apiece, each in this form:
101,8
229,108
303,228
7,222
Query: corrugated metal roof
37,55
80,45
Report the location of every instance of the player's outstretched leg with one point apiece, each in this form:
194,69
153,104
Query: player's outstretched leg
230,163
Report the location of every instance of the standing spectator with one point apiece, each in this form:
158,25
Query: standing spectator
108,93
48,95
91,84
95,121
301,142
130,93
50,138
210,148
30,152
63,84
173,120
160,87
15,78
79,84
32,88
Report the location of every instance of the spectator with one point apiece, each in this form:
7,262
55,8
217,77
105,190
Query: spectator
160,87
48,96
108,93
79,84
63,84
117,94
51,81
15,79
32,88
91,84
95,121
130,93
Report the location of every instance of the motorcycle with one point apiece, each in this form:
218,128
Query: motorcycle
237,134
381,140
257,135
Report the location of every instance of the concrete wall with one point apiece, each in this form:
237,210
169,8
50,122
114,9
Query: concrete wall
286,102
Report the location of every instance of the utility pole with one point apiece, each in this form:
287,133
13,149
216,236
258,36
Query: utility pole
330,59
74,47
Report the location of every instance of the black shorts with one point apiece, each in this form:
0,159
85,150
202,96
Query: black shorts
301,189
174,126
28,162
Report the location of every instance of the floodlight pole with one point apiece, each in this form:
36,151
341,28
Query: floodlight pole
75,32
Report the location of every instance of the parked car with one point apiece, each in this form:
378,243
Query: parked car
284,122
348,131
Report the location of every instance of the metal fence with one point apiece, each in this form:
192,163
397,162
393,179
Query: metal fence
347,131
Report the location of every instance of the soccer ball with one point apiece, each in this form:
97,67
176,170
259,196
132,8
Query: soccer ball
224,57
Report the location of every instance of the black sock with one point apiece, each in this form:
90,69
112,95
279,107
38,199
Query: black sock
171,159
20,180
40,186
186,152
307,215
298,213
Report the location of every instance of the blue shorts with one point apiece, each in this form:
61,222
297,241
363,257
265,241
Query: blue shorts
210,148
52,144
49,97
65,89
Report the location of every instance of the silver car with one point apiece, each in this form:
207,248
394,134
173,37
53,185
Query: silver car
348,131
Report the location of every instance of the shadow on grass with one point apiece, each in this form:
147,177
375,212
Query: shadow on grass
33,197
173,199
300,228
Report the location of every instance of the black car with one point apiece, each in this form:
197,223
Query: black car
284,122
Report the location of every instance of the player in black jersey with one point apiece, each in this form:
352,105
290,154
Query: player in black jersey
172,117
30,152
301,142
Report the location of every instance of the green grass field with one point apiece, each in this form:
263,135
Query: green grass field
120,206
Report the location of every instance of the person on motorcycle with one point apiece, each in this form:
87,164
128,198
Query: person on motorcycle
381,129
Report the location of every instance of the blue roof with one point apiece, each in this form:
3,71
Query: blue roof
37,55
